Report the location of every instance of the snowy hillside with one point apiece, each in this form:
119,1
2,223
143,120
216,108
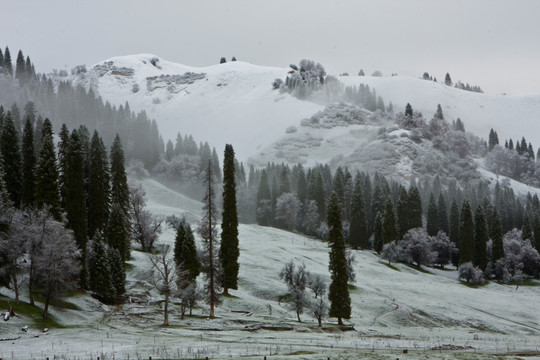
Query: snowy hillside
511,116
392,309
234,103
225,103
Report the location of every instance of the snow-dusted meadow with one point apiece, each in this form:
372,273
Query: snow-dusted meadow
393,309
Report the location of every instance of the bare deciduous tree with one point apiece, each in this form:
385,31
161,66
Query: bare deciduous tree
163,277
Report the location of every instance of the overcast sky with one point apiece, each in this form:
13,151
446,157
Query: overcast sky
491,43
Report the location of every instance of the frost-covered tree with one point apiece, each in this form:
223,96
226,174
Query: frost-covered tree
472,275
57,265
145,226
319,309
287,209
99,271
296,279
12,246
415,247
390,252
311,217
444,249
163,277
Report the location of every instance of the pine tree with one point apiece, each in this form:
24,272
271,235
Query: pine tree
389,231
493,140
10,149
185,251
536,232
496,235
20,68
119,187
98,186
378,233
264,213
415,208
432,218
63,149
118,231
408,111
117,271
47,189
28,165
448,80
100,282
208,232
8,66
402,212
229,252
443,215
466,234
75,202
439,113
340,301
480,239
526,230
358,230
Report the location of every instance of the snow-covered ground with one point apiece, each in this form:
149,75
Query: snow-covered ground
392,309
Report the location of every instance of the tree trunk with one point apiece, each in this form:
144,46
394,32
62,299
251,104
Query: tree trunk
31,283
226,291
339,321
298,316
320,321
15,287
166,312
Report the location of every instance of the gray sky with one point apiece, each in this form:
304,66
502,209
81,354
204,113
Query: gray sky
491,43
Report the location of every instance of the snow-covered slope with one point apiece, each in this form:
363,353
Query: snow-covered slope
511,116
225,103
392,309
234,103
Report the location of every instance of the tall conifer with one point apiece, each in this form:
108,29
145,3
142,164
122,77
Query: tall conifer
358,230
340,301
229,253
466,234
11,153
480,239
28,164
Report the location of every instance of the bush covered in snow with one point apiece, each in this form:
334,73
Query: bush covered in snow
337,114
472,275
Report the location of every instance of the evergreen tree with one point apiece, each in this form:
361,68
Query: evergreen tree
98,186
340,301
480,239
439,113
415,208
75,202
63,149
264,213
493,140
100,282
496,234
389,232
448,80
526,230
185,251
442,214
454,230
28,165
378,233
118,231
432,219
119,187
402,212
118,273
11,153
8,66
466,234
229,252
408,111
47,190
20,68
536,232
358,229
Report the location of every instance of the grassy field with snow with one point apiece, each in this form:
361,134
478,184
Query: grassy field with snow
427,312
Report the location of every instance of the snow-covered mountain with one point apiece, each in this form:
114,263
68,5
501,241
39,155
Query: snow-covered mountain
234,103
